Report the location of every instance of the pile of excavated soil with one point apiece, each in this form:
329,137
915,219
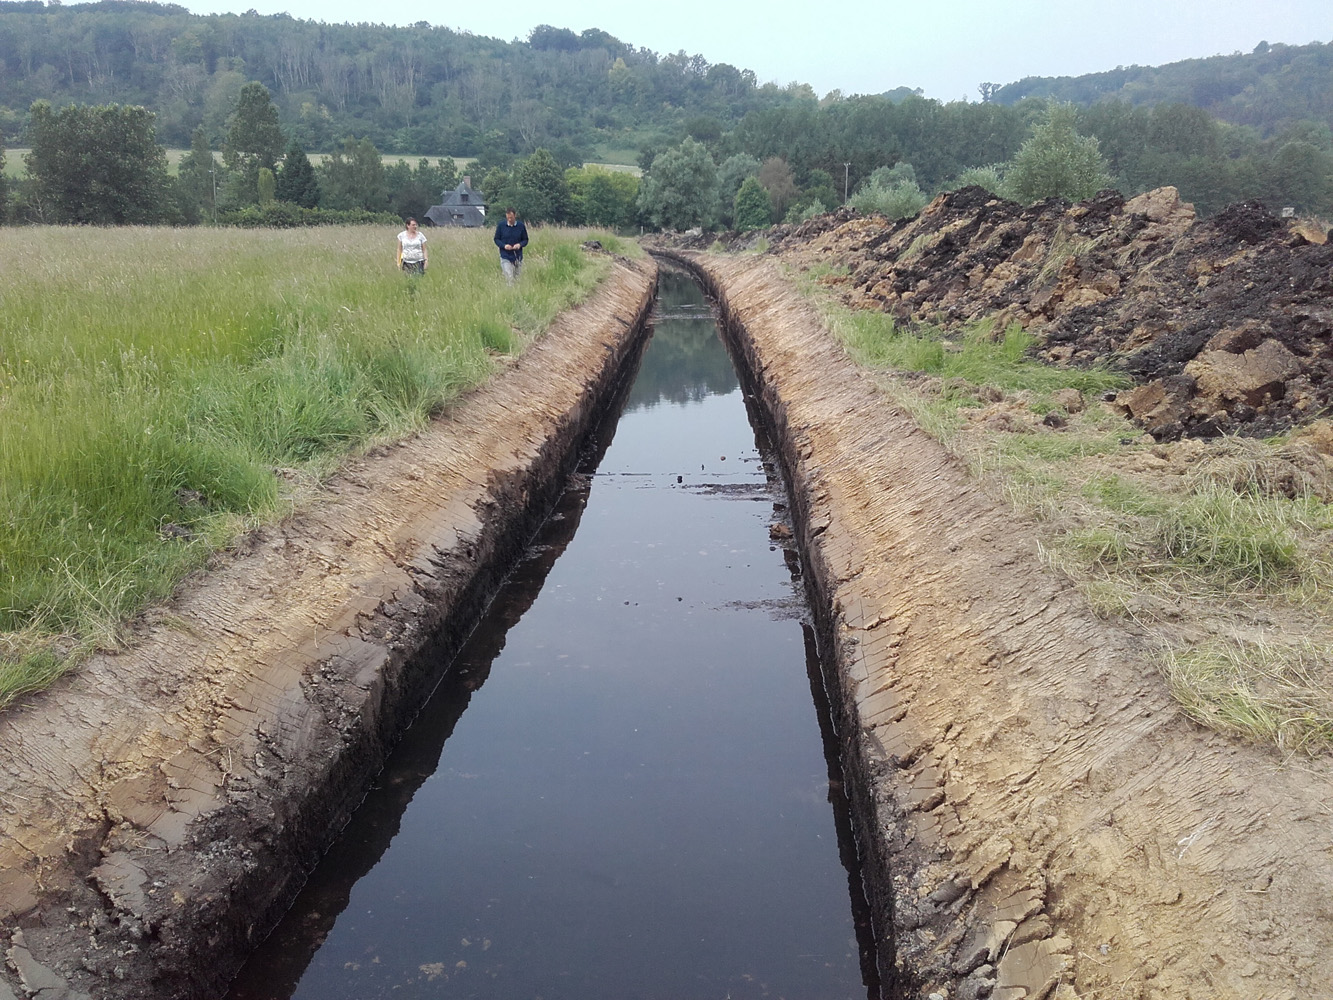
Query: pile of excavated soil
160,807
1044,818
1226,324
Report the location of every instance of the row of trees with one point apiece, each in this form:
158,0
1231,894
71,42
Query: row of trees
1267,89
1213,163
1065,152
102,164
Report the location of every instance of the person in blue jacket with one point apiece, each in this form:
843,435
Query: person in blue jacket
511,236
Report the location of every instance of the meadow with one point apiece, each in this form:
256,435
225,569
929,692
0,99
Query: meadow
164,390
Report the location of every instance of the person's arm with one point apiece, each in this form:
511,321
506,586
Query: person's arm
522,235
425,254
499,240
398,253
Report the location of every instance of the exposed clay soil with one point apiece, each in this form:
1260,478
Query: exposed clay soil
1226,323
1050,822
159,808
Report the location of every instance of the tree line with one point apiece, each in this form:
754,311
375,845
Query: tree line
1266,89
893,155
267,93
410,90
103,165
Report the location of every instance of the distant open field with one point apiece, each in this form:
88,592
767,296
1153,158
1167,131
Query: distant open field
163,389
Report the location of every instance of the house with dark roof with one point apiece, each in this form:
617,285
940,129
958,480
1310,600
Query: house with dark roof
463,206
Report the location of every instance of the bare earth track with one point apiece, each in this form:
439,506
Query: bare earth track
159,808
1050,821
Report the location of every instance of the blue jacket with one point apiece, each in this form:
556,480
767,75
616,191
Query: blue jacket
506,234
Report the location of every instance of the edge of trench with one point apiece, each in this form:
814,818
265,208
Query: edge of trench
875,504
160,808
874,852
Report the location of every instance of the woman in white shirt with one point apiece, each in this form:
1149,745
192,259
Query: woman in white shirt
412,256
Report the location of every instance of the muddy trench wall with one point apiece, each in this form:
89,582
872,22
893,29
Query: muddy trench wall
171,853
1037,816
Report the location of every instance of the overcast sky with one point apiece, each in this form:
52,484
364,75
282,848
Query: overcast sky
946,47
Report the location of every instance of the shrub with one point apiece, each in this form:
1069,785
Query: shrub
286,215
901,201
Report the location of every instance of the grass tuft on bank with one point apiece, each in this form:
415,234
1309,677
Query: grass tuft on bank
1222,551
163,390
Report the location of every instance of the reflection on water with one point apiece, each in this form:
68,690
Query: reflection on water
637,802
685,364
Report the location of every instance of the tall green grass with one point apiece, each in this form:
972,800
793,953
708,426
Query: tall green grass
162,389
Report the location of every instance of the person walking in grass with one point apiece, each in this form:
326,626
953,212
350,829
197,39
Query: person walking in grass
511,236
412,256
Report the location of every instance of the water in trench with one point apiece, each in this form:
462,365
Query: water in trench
623,788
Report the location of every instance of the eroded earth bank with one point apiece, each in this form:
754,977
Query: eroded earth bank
1050,822
159,808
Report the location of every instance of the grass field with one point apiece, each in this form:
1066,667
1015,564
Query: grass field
161,390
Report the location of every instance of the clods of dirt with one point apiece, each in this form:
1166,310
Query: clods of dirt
1224,324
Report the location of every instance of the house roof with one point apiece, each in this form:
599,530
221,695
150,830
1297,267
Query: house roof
463,195
457,215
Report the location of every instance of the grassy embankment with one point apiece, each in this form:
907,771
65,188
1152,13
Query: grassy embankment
162,391
1222,551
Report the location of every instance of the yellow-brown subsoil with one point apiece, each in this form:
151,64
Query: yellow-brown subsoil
1051,823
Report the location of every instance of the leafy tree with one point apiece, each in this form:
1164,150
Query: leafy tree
196,178
1056,162
601,197
498,187
296,180
353,177
541,194
752,208
777,178
819,188
1302,177
731,174
990,177
900,201
901,172
680,191
254,138
97,164
412,191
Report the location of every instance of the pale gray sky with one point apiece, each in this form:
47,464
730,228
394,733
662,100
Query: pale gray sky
946,47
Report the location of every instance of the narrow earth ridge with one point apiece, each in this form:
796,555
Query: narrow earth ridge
1049,822
161,806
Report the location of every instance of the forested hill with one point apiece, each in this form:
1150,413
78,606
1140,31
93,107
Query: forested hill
1267,88
418,89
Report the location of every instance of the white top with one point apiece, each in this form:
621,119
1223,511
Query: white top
413,246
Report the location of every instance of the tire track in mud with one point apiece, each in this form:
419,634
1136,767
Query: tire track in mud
159,808
1040,819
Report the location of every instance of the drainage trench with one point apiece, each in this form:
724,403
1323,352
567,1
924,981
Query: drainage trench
623,787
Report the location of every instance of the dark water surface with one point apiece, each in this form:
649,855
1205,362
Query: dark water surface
620,791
